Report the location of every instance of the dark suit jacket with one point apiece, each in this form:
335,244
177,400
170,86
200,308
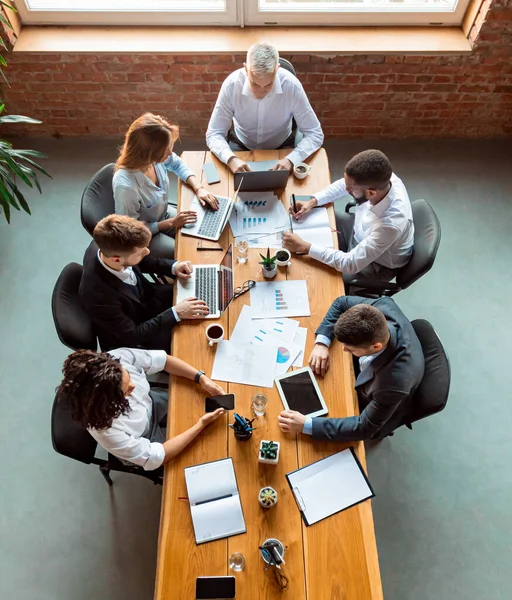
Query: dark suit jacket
124,315
386,388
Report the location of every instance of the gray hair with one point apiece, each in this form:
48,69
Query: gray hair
262,59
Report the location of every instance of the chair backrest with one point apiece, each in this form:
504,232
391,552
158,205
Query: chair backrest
69,438
98,198
432,393
286,64
427,236
73,325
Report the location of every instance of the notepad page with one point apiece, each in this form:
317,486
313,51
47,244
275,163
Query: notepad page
210,480
330,485
315,228
219,519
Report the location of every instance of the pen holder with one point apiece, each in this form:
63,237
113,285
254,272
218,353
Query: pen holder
242,428
267,497
277,546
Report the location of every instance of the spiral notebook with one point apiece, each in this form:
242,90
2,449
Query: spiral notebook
329,486
214,500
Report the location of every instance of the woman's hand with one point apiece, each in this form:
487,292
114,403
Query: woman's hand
208,418
206,197
183,217
212,389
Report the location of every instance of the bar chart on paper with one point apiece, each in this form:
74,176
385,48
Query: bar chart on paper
280,299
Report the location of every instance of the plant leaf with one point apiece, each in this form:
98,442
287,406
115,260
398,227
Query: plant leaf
18,119
35,165
9,6
8,195
17,168
5,21
7,210
19,195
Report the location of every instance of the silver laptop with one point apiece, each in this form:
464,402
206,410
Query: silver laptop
260,178
210,223
211,283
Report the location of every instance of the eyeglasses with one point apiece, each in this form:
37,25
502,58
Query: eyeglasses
245,287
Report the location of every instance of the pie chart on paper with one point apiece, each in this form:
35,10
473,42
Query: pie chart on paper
283,355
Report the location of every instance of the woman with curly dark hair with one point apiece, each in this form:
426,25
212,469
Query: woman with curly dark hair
110,396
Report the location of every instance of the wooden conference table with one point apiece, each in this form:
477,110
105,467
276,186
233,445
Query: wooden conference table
335,559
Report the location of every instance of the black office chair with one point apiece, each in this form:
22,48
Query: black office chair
98,202
432,393
427,236
70,439
73,325
287,65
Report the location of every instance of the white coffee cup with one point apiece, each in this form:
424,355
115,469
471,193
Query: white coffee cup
215,333
301,170
286,262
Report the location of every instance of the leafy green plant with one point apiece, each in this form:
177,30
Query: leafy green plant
268,262
16,165
268,450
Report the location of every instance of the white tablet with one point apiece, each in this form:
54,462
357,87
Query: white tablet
299,391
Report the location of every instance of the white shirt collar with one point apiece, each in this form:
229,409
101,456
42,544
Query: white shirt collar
126,275
381,207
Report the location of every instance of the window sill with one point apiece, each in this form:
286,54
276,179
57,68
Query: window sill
224,40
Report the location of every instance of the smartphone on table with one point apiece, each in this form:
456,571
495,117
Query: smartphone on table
215,588
226,401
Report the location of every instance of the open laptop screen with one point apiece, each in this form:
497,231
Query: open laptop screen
226,279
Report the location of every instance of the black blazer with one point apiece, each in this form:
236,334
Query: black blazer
385,389
138,316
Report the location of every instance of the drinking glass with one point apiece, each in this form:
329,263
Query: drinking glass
259,404
237,561
242,249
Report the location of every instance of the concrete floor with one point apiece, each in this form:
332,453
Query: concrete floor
442,510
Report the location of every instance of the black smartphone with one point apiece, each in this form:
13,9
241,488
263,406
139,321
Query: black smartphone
215,588
226,401
211,173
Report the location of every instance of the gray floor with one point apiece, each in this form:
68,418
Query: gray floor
442,510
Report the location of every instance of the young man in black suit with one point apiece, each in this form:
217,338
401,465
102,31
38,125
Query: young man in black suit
390,364
126,309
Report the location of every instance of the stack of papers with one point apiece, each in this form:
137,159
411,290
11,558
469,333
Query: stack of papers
258,213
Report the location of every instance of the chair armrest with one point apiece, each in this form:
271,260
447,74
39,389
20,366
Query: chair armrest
349,205
373,285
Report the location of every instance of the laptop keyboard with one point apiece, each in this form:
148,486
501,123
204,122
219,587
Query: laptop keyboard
213,219
207,287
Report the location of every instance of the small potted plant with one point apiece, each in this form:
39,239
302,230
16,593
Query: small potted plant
268,265
269,452
267,497
242,428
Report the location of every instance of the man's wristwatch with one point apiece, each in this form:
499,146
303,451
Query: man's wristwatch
198,376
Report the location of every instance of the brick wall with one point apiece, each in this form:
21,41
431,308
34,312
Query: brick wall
354,96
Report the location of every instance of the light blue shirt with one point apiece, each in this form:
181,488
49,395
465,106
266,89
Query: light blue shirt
364,363
137,196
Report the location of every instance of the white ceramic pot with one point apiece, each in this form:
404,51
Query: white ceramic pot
269,461
269,274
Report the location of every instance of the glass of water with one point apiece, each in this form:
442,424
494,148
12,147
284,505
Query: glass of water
237,561
259,404
242,249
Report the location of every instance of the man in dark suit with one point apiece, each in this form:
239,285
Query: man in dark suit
126,309
390,365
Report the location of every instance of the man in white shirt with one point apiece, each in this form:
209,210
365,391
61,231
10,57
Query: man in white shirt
108,394
378,239
260,101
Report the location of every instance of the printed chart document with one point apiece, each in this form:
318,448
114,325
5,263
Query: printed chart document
214,500
329,486
258,213
245,363
315,228
280,299
300,339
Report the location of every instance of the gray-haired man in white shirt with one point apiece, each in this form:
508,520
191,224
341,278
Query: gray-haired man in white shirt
109,394
378,239
260,101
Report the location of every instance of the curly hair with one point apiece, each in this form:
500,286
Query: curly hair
361,326
370,168
92,386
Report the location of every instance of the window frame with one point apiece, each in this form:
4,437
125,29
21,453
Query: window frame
240,13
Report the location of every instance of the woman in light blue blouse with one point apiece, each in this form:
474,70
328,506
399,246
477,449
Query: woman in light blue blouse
141,185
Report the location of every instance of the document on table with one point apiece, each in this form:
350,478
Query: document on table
280,299
258,213
214,500
329,486
245,363
315,228
299,340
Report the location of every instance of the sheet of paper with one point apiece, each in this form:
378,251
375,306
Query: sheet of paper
315,228
300,340
244,363
250,330
210,480
219,519
258,213
330,485
286,354
280,299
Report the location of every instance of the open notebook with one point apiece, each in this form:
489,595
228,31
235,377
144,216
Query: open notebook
214,500
329,486
315,228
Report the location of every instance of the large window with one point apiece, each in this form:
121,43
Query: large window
243,12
